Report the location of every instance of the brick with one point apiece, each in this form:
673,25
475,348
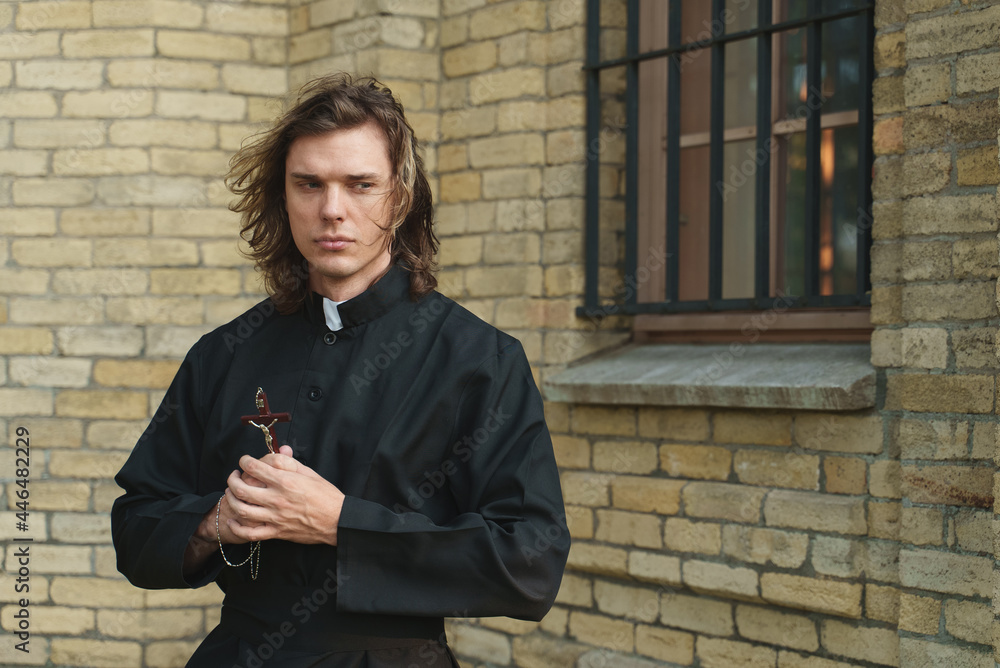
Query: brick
696,461
52,192
100,162
149,624
246,19
926,173
932,439
921,526
195,222
927,84
664,644
52,252
951,33
839,557
884,479
777,469
111,341
825,596
624,528
135,373
194,282
459,187
984,440
518,215
23,281
469,59
101,404
723,501
752,428
948,485
887,136
681,535
503,281
977,73
53,433
960,123
85,464
480,643
651,495
107,43
163,13
59,75
975,258
795,660
163,132
114,434
55,311
254,80
145,252
461,251
534,651
95,592
506,85
30,45
166,653
181,598
57,495
83,528
635,603
973,530
882,603
675,424
511,183
602,631
327,12
925,347
777,628
933,570
969,621
816,512
507,18
60,134
652,567
97,653
154,311
921,653
845,475
890,50
763,546
49,372
940,394
52,619
628,457
576,591
877,645
24,163
936,302
175,161
507,150
597,559
696,613
206,106
888,95
887,348
721,580
720,653
564,280
470,122
34,16
926,261
25,341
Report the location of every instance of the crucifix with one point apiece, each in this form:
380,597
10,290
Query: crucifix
267,420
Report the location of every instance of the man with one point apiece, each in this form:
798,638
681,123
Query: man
416,478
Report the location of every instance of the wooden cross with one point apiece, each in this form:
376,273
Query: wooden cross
264,414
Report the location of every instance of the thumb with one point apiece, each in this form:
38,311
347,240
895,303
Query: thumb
285,450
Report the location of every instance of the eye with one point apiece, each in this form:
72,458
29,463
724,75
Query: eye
309,185
364,185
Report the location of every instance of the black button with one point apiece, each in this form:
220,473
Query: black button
329,338
315,394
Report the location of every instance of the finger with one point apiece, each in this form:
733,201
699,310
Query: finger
247,494
260,469
245,513
285,450
251,533
281,462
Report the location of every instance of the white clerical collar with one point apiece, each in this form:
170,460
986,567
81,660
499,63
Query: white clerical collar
333,320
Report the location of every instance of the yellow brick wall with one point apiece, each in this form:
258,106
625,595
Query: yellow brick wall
710,538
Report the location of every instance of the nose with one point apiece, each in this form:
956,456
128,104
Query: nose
332,208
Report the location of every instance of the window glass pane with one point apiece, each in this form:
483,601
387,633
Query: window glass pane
741,15
793,91
738,199
693,250
696,70
841,71
839,211
741,84
791,155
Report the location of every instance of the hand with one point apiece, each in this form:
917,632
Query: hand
291,502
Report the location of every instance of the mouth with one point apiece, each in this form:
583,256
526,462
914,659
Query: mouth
334,243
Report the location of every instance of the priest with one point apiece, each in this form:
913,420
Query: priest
356,457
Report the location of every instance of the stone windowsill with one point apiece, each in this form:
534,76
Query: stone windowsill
798,376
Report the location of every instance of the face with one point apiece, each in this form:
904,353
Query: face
337,194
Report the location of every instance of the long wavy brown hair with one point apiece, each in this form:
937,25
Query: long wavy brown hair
257,176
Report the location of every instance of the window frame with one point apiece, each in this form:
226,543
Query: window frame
802,316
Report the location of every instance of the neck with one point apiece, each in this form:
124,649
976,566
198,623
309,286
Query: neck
342,289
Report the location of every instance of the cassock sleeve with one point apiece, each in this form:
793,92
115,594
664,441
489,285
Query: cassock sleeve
504,554
152,522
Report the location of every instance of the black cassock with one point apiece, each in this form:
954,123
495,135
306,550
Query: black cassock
424,416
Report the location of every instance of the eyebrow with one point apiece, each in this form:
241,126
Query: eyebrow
369,176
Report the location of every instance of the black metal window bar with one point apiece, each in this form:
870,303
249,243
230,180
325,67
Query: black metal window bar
765,31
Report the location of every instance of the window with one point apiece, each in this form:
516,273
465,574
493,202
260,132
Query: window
745,181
